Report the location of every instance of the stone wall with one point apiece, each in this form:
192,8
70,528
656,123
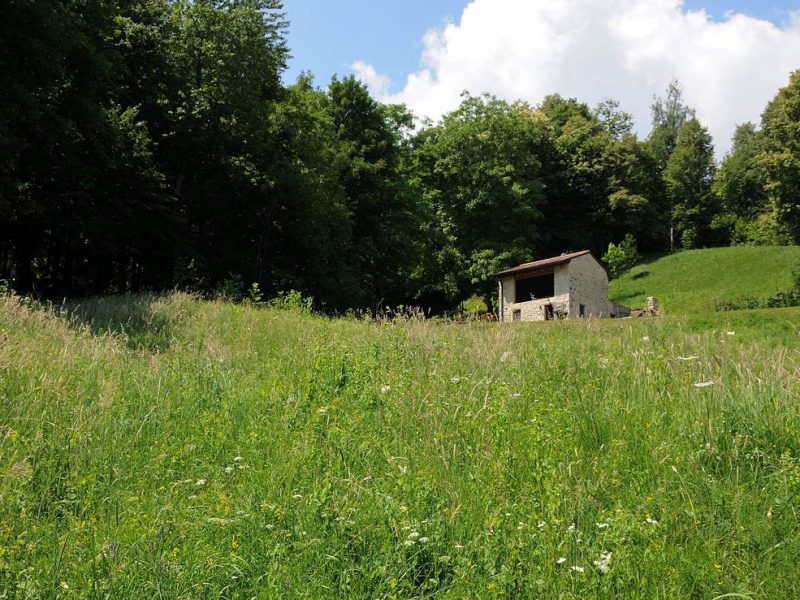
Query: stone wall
588,285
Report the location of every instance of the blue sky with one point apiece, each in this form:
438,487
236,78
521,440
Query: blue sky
327,36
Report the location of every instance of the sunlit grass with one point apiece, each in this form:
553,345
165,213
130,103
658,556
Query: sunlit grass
695,280
167,447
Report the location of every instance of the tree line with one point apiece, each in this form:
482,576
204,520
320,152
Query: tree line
151,144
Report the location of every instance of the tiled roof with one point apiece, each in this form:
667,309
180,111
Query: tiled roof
541,264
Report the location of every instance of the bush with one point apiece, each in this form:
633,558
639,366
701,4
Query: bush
621,257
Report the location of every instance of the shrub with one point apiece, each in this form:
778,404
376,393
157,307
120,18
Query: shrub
621,257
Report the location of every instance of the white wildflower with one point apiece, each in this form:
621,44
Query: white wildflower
541,525
646,338
424,540
323,410
604,562
561,561
515,395
602,525
455,379
651,521
571,528
237,459
200,482
703,384
576,569
385,389
458,547
228,469
409,542
730,333
413,535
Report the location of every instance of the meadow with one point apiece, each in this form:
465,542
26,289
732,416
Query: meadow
168,447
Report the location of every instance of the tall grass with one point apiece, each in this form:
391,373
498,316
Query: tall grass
172,448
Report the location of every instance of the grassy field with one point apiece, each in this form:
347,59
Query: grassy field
692,281
172,448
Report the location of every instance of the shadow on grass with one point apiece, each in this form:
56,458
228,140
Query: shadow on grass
139,319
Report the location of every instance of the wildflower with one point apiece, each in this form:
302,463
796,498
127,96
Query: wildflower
703,384
385,389
541,525
646,338
297,496
458,547
228,469
410,542
604,562
200,482
237,459
64,585
505,356
561,561
424,540
515,395
455,379
769,513
651,521
571,528
576,569
444,559
413,535
730,333
602,525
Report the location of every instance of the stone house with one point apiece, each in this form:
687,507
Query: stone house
571,286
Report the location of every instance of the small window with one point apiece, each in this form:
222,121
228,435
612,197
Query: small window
582,311
517,315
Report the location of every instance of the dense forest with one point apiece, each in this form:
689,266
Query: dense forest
151,144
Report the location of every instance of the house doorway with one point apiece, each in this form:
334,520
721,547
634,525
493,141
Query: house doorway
548,312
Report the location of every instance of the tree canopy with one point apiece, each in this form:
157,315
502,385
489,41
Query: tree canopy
151,144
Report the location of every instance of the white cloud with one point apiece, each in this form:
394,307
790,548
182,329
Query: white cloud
377,84
598,49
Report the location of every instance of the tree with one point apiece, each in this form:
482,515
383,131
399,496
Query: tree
688,176
780,158
383,210
481,175
312,245
669,114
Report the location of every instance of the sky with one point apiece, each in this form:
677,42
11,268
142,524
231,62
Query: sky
730,56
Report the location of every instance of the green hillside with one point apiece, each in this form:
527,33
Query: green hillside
692,281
